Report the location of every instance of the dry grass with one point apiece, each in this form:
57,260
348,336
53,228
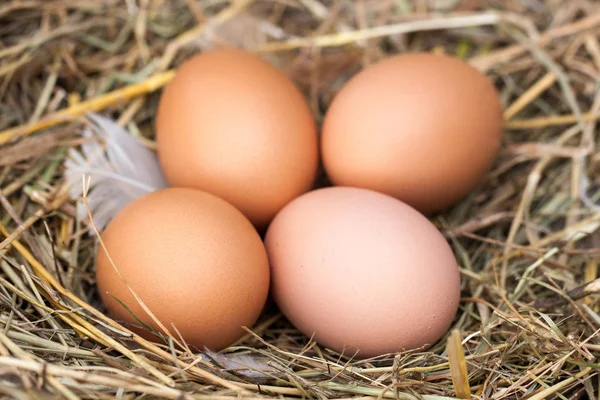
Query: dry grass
526,238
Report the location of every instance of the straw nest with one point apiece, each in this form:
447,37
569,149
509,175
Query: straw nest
526,238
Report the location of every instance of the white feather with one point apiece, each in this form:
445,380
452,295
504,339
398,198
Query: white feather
248,366
119,168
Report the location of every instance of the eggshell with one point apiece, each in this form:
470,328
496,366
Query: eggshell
231,124
192,258
362,271
421,127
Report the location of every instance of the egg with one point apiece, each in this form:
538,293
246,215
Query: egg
362,272
193,259
231,124
422,127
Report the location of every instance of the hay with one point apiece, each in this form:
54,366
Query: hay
526,238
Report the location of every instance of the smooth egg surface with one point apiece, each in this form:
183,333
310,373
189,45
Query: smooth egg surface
231,124
362,271
193,259
422,127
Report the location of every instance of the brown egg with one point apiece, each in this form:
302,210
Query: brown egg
362,271
193,259
231,124
423,128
